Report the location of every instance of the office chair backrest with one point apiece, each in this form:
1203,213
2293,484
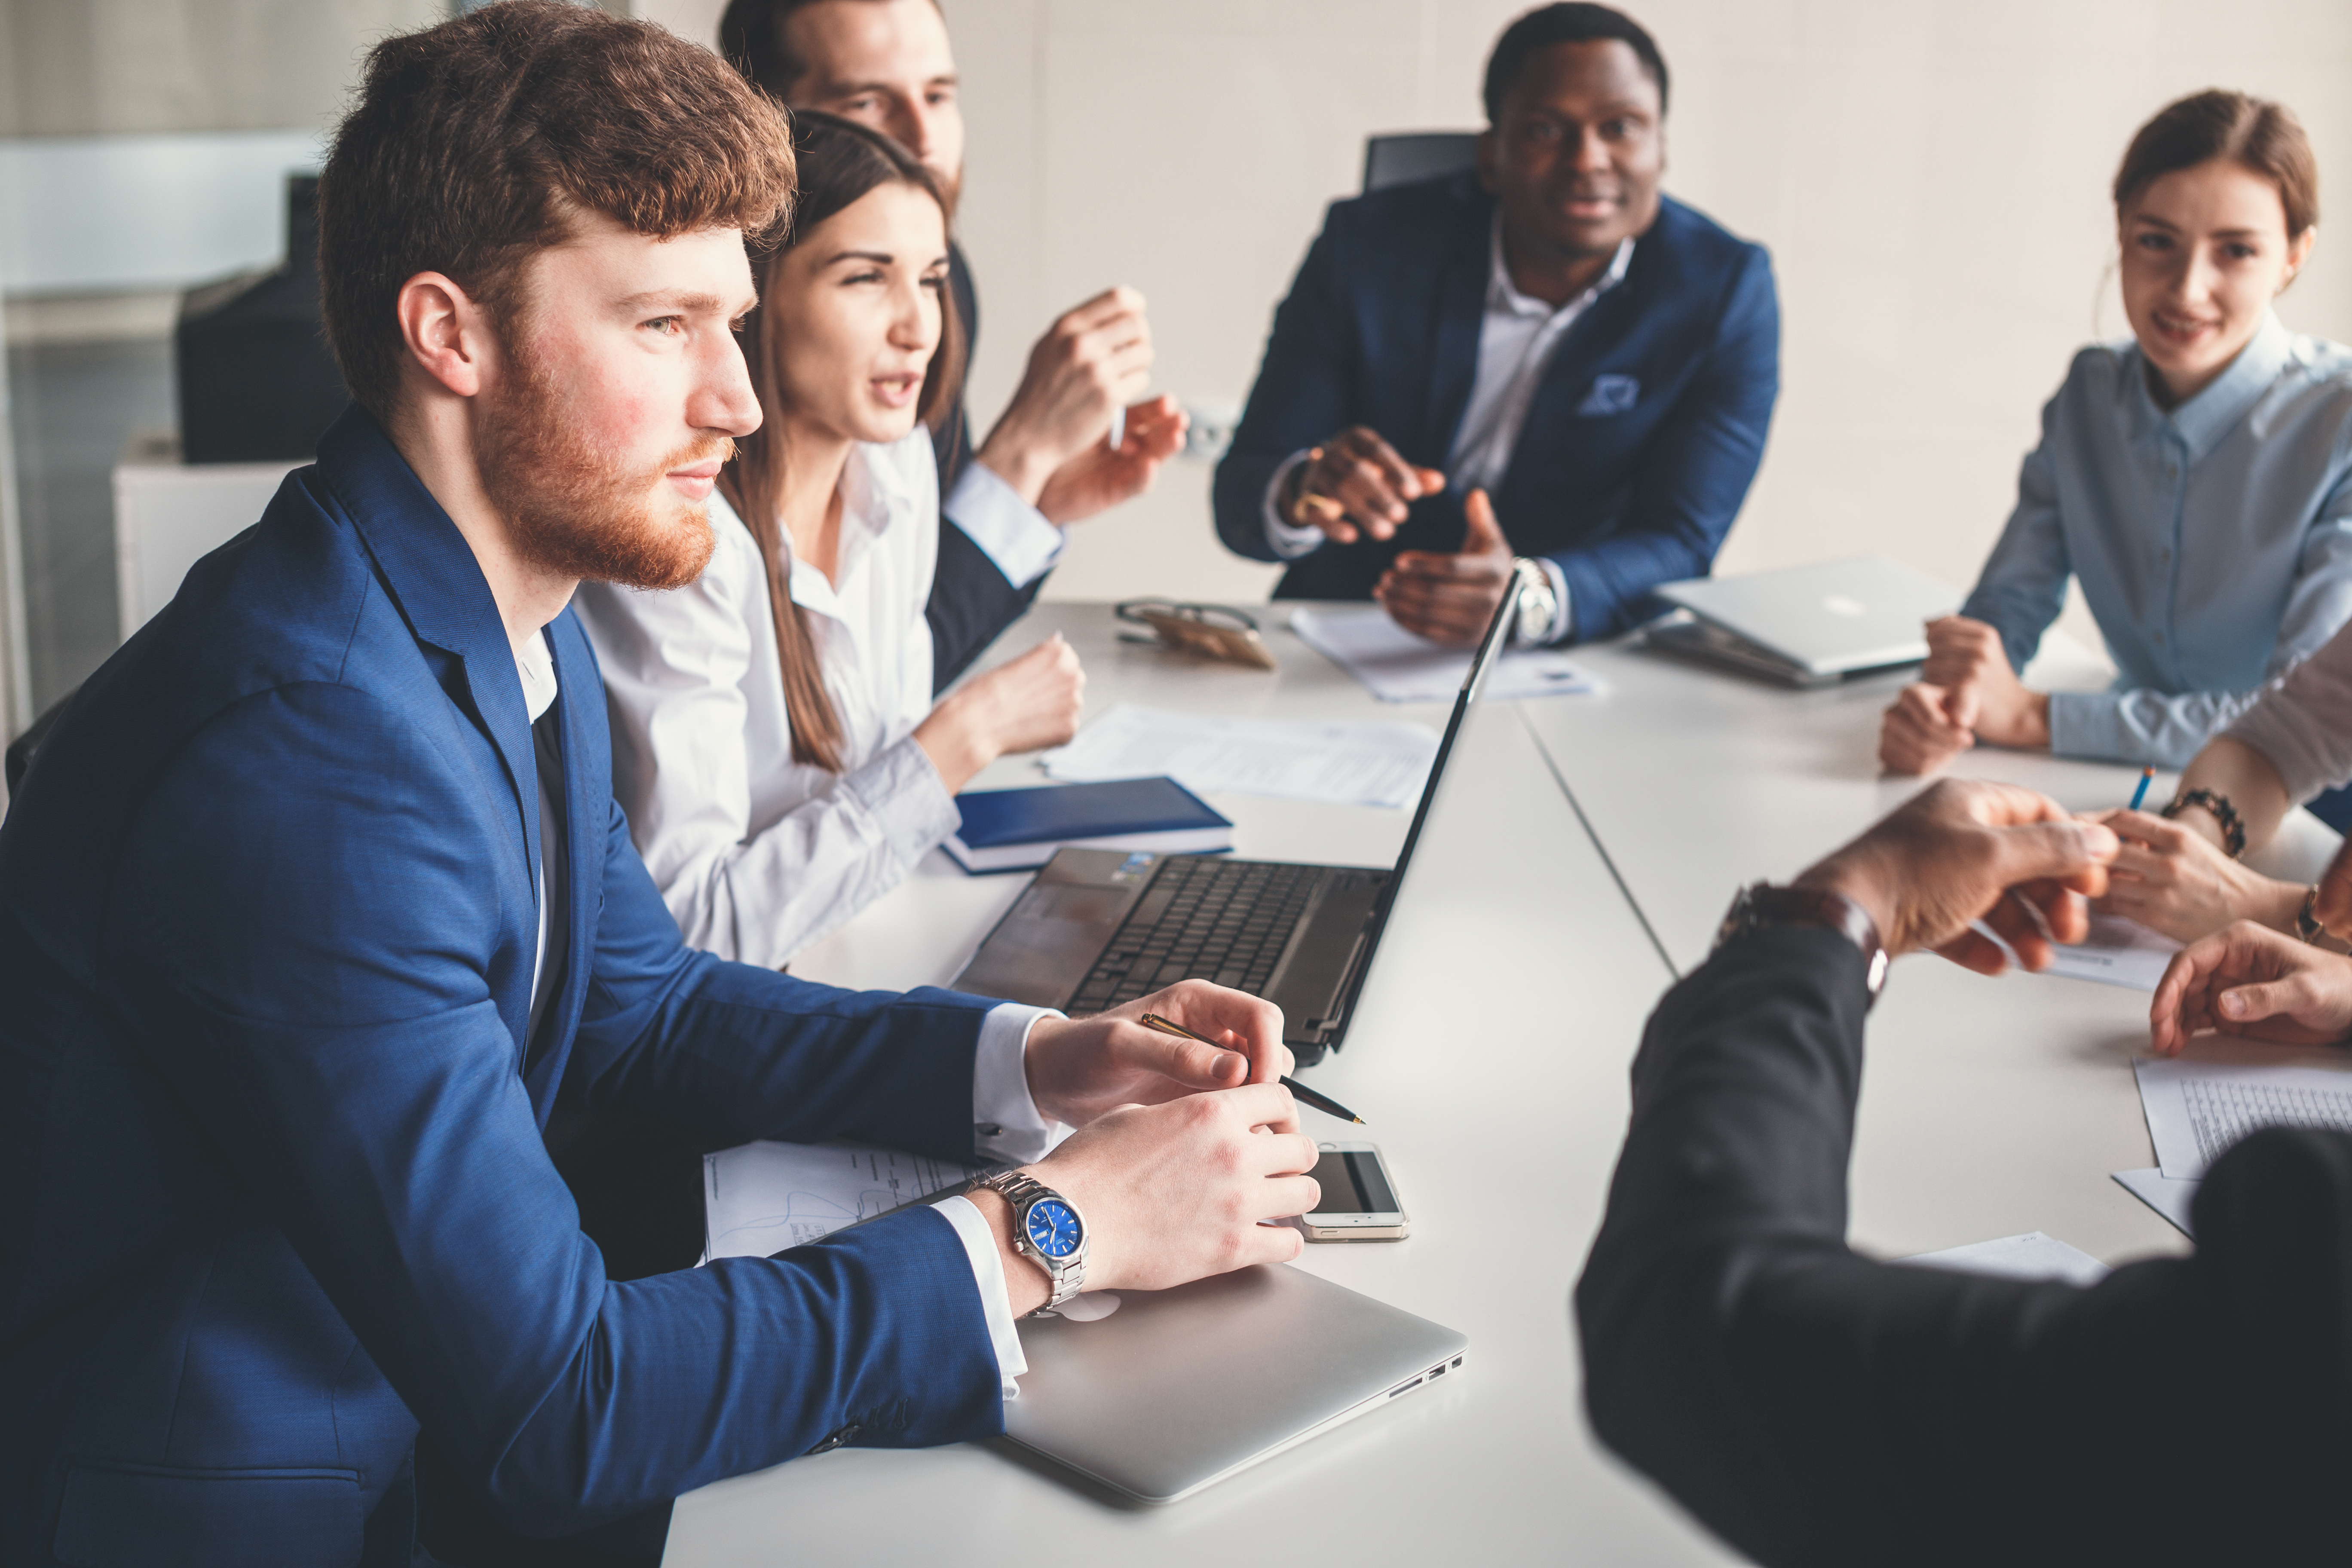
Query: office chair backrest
1417,155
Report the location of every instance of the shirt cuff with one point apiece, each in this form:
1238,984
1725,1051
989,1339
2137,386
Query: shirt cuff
1287,542
1007,1127
988,1273
2101,726
1008,530
902,792
1563,614
2082,724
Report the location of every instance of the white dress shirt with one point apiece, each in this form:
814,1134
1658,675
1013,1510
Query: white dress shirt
758,855
1518,336
1007,1126
1014,534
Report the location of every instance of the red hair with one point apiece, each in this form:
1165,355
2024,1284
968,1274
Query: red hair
475,141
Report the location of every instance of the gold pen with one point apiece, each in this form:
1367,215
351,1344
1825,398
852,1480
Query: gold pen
1322,1102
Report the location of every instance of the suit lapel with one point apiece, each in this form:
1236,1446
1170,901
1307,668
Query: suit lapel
496,691
431,574
1453,348
587,794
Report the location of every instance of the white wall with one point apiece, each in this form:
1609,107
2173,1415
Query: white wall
1931,179
85,67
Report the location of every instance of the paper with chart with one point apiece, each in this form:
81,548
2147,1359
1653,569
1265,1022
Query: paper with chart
760,1198
2032,1256
1396,665
2117,952
1381,763
2197,1109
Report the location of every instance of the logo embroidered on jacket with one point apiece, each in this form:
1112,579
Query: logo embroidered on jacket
1610,394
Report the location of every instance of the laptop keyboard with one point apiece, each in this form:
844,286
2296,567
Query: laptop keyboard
1227,921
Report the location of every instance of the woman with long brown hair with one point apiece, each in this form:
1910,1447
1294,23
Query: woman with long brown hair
2195,478
774,741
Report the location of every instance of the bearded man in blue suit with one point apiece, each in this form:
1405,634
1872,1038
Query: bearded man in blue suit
316,904
1545,359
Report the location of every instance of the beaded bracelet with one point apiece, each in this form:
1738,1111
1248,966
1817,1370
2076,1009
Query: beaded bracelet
2233,827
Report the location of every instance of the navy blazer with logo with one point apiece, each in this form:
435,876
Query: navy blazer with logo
272,1189
1638,449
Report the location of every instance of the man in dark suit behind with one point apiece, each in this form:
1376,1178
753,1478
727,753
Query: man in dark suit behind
1814,1406
1047,463
1550,333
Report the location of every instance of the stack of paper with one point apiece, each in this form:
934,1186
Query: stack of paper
1329,763
2032,1256
1396,665
760,1198
2161,1192
2197,1109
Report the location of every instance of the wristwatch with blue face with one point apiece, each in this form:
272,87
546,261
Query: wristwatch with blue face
1047,1230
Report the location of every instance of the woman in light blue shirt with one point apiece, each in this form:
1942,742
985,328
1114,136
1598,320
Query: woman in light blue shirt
2195,479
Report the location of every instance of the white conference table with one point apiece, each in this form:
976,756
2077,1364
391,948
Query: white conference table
1490,1060
1989,1107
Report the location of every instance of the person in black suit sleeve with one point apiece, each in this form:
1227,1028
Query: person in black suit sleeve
1811,1405
1048,461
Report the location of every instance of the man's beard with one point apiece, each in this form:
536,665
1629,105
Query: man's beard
575,508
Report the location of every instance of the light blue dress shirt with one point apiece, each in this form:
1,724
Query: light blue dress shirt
2213,542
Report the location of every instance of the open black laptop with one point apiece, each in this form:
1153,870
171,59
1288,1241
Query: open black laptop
1099,927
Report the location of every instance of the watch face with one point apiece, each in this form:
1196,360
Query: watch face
1053,1228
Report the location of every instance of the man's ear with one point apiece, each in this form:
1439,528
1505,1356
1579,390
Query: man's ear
1488,146
446,333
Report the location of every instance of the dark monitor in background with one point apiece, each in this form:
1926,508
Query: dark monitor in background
257,381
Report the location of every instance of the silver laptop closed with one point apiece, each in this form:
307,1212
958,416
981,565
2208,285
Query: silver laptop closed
1810,624
1181,1388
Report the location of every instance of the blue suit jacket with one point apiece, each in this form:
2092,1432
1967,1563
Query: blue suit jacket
272,1189
1624,486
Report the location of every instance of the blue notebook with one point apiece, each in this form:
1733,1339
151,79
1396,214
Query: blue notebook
1017,830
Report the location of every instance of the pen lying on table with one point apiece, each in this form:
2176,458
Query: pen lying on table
1322,1102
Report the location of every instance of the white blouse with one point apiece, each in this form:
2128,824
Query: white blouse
757,855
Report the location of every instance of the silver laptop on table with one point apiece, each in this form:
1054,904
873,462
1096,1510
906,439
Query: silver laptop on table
1806,625
1100,927
1178,1389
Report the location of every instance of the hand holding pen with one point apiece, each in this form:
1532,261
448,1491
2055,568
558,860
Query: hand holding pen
1298,1091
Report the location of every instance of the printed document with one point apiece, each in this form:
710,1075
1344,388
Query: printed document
1396,665
2032,1256
760,1198
2197,1109
2117,952
1291,758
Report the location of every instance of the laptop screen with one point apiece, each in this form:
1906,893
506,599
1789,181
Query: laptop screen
1490,647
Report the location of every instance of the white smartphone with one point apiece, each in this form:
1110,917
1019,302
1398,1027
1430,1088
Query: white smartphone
1360,1203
